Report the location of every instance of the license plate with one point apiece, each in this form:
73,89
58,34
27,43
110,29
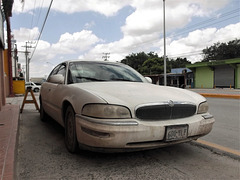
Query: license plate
174,133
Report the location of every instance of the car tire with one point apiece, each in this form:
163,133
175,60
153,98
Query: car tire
43,115
70,131
36,90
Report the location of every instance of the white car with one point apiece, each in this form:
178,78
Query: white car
106,106
35,87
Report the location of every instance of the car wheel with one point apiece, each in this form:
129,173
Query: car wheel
70,131
43,115
36,90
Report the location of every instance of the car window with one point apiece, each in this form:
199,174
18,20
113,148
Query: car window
55,70
60,69
88,71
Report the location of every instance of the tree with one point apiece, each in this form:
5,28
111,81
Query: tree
135,60
178,63
150,63
221,51
153,65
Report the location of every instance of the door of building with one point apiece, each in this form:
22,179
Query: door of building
224,76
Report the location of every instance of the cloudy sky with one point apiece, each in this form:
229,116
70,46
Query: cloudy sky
85,29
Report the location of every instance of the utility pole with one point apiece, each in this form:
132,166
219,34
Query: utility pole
15,60
106,56
164,39
27,60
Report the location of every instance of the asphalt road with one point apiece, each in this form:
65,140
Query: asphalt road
42,155
226,129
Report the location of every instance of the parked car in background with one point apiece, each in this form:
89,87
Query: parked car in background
38,80
106,106
35,88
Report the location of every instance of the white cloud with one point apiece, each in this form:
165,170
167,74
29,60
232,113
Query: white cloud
45,52
148,16
206,4
229,32
76,42
89,25
190,46
198,40
80,42
111,7
24,34
40,69
142,30
108,8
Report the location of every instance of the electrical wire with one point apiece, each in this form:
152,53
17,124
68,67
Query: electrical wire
193,26
36,24
41,29
34,8
39,13
175,35
185,54
185,30
202,24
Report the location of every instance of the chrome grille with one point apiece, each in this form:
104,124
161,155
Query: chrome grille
165,111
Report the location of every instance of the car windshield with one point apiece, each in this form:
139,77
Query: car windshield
94,71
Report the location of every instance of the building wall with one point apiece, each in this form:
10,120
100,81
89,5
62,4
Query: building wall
237,77
204,77
6,72
2,85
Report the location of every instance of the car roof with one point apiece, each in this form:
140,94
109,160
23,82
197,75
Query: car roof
92,61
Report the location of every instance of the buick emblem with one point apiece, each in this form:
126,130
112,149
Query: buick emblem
170,103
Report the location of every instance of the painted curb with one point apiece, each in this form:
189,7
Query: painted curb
231,96
216,149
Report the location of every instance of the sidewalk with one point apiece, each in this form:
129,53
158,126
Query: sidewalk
10,115
9,119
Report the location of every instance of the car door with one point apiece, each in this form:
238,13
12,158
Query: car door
52,103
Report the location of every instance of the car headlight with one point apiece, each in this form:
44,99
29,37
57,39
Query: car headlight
106,111
203,107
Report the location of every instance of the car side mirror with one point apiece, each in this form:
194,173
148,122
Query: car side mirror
57,79
148,79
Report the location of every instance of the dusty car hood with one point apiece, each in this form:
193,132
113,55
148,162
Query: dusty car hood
134,93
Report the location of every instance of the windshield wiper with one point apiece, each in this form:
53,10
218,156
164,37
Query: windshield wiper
89,78
120,79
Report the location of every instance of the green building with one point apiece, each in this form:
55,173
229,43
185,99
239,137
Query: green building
221,73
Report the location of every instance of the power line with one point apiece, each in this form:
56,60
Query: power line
33,13
175,35
200,25
42,29
38,17
40,13
186,54
193,26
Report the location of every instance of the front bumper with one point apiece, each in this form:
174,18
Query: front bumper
134,134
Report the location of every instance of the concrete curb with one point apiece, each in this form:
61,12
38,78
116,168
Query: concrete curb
231,96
